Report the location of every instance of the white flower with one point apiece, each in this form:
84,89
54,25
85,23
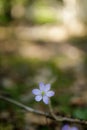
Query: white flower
43,93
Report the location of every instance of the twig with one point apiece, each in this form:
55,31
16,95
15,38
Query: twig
61,119
52,116
24,106
51,111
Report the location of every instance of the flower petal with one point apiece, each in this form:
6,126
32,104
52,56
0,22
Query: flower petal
41,86
74,128
65,127
45,99
36,91
47,87
38,98
50,93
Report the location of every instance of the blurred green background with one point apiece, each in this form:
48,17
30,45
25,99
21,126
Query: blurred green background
42,41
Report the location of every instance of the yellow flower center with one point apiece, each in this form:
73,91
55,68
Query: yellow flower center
43,93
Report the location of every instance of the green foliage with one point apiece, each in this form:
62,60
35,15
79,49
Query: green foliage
4,19
44,15
80,113
6,127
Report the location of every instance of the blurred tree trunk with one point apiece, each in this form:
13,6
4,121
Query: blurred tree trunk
75,10
82,10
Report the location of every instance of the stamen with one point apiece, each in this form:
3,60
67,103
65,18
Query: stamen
43,93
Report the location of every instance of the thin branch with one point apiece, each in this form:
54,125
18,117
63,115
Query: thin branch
24,106
51,111
61,119
29,109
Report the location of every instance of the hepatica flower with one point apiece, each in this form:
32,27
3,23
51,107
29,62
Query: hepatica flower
43,93
67,127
